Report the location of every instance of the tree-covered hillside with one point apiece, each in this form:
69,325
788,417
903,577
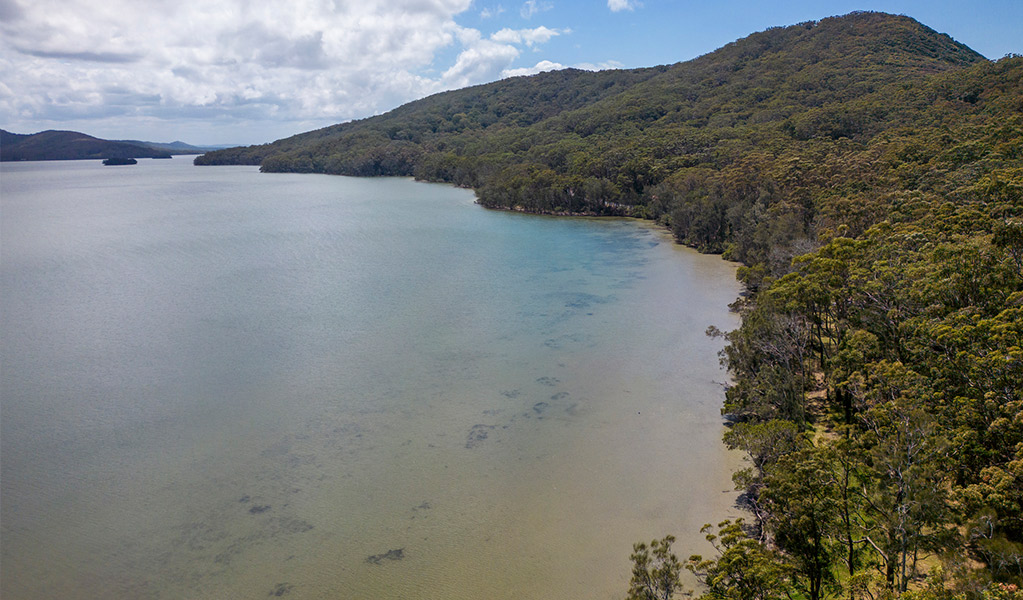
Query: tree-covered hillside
395,143
868,173
608,136
69,145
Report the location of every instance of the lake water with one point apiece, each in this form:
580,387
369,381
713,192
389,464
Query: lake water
222,384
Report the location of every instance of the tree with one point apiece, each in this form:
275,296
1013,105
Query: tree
744,569
765,443
656,571
905,492
995,528
802,497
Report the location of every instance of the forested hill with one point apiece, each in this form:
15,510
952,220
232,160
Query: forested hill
738,150
70,145
394,143
611,122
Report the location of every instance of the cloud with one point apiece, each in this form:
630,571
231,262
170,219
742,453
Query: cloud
258,44
10,11
327,61
530,37
531,7
490,13
540,67
484,61
107,57
611,64
491,58
620,5
233,64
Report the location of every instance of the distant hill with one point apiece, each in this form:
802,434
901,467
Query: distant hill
176,147
69,145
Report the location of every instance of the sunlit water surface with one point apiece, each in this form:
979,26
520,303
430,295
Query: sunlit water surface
222,384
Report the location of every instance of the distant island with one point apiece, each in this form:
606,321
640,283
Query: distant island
120,161
72,145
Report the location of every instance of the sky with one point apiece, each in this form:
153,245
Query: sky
252,71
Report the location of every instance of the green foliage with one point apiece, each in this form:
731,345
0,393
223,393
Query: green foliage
766,443
899,340
744,569
803,499
656,571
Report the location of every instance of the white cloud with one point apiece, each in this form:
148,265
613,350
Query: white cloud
491,58
611,64
490,13
531,7
530,37
484,61
540,67
620,5
230,65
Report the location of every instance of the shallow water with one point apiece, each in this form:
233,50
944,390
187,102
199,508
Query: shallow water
219,384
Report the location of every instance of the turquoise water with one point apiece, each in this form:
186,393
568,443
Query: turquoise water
222,384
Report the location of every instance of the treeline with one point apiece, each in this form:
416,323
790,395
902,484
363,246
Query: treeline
868,173
877,375
878,379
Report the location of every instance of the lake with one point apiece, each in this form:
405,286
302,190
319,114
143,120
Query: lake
224,384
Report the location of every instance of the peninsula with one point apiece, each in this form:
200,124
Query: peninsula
867,172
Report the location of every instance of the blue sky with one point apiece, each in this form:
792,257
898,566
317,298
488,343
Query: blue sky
662,31
251,71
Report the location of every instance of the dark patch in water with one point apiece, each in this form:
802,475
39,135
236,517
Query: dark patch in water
539,407
564,340
244,499
282,589
511,394
259,508
377,559
289,525
281,448
583,300
477,434
559,396
200,536
549,381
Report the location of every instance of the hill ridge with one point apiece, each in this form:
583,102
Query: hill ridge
309,152
55,144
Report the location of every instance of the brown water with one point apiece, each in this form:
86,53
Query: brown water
220,384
